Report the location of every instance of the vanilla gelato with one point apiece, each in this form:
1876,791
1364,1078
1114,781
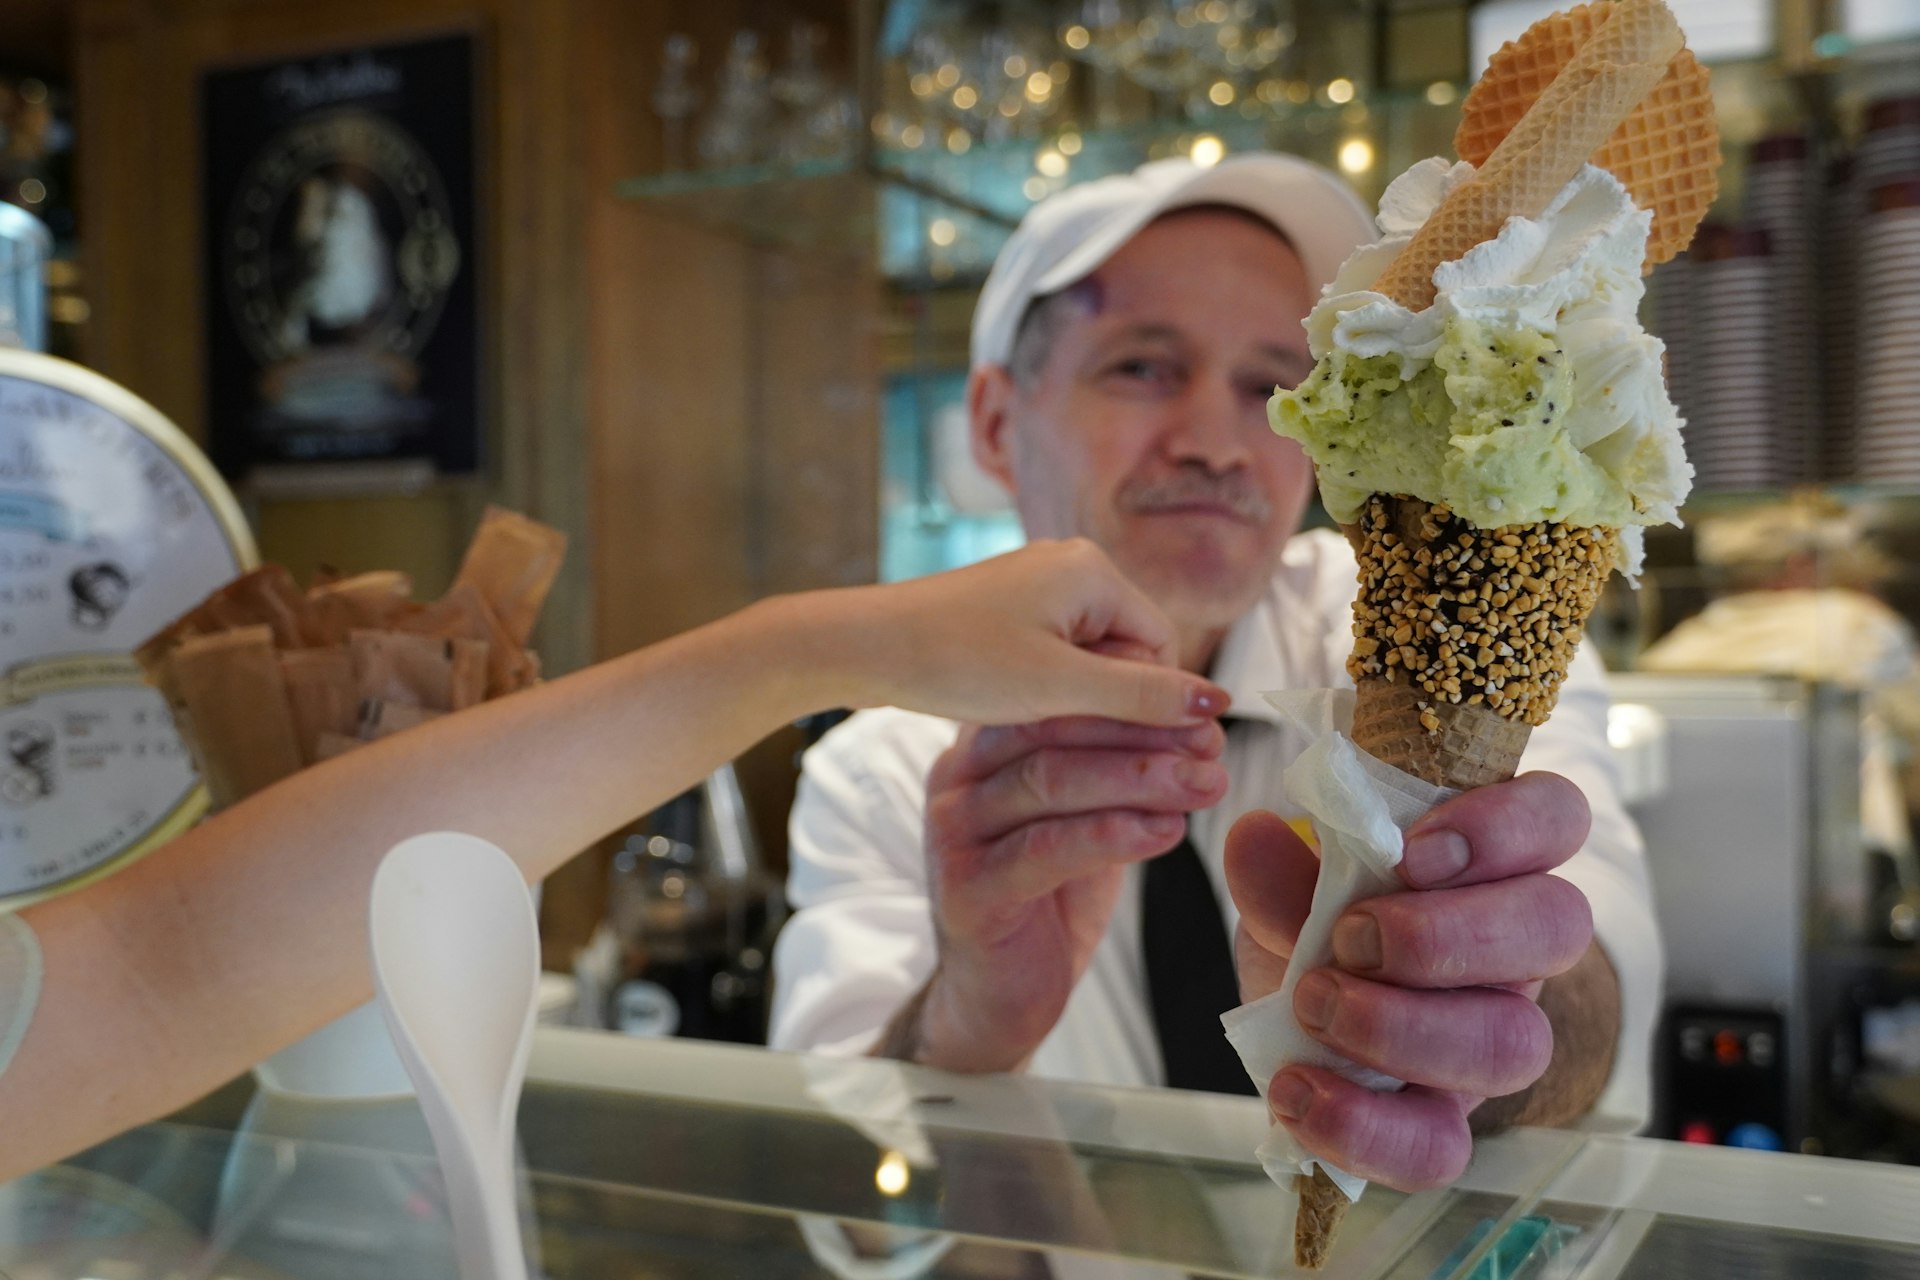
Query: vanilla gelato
1527,392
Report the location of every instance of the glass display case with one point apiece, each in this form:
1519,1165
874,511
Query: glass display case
679,1159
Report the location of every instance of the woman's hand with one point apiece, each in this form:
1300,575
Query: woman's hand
1050,630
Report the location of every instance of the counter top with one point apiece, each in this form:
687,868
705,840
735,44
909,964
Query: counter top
684,1159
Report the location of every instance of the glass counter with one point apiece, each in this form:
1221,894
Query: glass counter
681,1159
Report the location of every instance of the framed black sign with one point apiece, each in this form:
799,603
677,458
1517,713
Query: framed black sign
339,211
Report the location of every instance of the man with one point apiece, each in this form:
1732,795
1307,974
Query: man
997,898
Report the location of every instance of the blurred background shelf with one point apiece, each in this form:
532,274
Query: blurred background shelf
973,112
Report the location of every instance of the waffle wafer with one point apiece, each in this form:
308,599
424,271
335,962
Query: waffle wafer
1666,152
1607,77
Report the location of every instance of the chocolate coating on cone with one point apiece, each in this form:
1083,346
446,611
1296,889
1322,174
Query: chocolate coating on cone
1470,618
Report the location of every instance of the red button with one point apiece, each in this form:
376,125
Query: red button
1697,1131
1726,1049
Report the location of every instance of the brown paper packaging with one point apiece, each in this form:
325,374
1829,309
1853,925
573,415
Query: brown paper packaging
513,561
384,719
421,670
321,696
234,701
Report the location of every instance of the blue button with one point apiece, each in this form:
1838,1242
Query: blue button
1754,1137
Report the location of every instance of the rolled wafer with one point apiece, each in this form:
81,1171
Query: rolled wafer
1624,58
1666,152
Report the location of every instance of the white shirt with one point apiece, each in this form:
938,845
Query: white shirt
861,940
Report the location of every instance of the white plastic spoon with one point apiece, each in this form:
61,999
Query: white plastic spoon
456,965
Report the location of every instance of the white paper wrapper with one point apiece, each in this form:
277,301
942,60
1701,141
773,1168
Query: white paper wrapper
1361,809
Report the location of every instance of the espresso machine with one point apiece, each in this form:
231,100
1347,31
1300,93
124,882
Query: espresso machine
1765,888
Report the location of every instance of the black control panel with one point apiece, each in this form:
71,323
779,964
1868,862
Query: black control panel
1722,1077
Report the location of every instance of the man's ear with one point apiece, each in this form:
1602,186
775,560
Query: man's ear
990,393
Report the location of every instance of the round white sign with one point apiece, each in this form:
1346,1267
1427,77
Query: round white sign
112,524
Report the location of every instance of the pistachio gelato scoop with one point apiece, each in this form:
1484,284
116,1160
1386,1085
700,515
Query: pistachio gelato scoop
1527,392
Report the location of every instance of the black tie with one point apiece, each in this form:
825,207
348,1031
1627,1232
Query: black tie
1190,977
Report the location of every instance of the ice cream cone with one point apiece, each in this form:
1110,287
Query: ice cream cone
1322,1206
1463,635
1457,627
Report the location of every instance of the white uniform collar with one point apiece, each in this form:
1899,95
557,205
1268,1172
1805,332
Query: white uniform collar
1281,643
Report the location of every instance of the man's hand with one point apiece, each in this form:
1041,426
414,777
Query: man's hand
1029,828
1440,985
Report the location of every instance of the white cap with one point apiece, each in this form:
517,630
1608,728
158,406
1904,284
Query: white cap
1066,237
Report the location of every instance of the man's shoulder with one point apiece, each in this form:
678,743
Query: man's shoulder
884,739
863,788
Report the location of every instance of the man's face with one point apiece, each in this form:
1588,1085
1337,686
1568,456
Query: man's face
1145,429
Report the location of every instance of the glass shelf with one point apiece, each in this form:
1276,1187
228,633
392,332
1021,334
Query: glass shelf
822,205
893,198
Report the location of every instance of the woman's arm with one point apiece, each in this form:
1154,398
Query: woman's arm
249,931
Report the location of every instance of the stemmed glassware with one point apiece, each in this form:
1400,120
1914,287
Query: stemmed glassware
676,98
735,130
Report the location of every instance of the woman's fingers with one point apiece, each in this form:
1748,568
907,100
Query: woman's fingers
1130,690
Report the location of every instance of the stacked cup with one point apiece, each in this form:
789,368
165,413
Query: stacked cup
1889,334
1669,317
1840,317
1782,199
1889,147
1732,433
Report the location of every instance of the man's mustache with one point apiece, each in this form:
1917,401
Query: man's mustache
1234,491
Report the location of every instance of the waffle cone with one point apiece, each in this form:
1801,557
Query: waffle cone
1322,1206
1666,152
1609,74
1474,746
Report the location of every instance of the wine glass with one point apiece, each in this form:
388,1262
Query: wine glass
675,97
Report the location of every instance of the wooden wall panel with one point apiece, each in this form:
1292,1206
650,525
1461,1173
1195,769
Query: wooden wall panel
137,72
696,412
816,423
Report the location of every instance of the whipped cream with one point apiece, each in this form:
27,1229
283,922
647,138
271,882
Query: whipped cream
1545,313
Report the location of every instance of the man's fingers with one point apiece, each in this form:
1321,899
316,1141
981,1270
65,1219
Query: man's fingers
1533,823
983,751
1270,874
1061,782
1041,856
1413,1140
1512,932
1482,1041
1259,969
